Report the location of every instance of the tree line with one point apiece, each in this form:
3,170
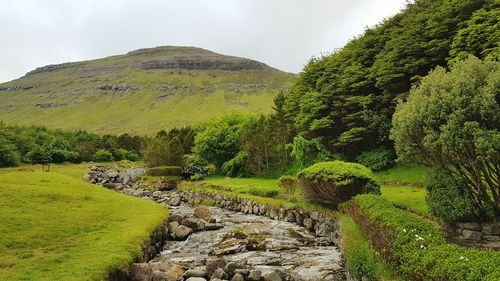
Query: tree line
39,145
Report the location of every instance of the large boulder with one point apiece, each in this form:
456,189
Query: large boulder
176,273
202,213
141,272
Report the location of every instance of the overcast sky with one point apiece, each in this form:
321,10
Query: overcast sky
282,33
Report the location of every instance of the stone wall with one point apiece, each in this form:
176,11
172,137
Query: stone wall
319,223
488,232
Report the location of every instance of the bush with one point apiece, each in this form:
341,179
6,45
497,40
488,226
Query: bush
219,141
307,151
8,155
164,171
451,120
197,177
418,248
123,154
39,155
103,155
447,200
163,151
377,159
236,166
331,183
63,155
132,156
288,184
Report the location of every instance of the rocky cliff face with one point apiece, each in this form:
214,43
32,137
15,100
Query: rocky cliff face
168,57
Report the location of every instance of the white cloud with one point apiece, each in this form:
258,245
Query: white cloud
281,33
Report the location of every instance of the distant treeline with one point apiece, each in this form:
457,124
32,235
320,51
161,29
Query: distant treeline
39,145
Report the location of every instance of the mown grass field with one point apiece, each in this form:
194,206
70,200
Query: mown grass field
55,226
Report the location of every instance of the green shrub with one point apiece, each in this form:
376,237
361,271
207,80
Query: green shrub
288,184
236,166
39,155
446,198
197,177
123,154
120,154
306,151
331,183
63,155
103,155
132,156
164,171
420,249
163,151
8,154
377,159
219,140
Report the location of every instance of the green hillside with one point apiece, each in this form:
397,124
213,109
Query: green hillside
142,91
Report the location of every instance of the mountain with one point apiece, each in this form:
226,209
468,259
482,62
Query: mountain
142,91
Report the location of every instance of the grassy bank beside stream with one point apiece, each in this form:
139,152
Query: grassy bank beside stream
54,226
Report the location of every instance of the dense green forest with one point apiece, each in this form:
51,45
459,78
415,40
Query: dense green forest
346,100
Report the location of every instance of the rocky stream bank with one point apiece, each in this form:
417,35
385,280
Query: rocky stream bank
236,239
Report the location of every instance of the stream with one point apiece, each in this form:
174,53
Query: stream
251,244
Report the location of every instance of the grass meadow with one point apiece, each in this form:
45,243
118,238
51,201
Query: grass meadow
57,227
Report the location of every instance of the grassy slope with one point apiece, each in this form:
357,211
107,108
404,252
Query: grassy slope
187,97
361,258
57,227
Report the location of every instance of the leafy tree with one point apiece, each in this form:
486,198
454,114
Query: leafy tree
39,155
377,159
346,99
103,155
480,37
184,134
162,151
8,154
280,127
219,140
130,143
451,121
307,152
236,167
262,143
63,155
